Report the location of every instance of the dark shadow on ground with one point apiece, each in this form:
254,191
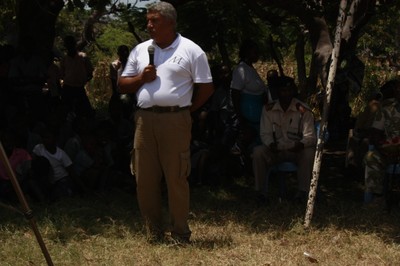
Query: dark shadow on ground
339,205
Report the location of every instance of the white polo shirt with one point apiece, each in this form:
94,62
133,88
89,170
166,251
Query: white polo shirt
179,66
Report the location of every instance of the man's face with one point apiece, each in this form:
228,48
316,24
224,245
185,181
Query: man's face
158,26
285,94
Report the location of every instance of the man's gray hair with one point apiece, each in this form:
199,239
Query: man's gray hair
166,10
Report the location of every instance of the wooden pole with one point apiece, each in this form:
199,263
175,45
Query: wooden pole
325,113
25,207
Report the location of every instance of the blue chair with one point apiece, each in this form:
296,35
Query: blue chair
288,167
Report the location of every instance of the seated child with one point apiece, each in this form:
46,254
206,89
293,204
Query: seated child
62,178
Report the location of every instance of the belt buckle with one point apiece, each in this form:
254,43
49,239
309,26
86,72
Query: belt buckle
165,109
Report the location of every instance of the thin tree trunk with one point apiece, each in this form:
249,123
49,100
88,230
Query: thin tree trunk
275,56
312,80
301,65
36,25
323,126
222,48
88,31
133,31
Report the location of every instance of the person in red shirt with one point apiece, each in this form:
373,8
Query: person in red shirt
20,161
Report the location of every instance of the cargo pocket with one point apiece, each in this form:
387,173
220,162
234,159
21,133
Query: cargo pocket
185,164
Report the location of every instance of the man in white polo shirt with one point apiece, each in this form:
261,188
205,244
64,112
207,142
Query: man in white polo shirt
164,90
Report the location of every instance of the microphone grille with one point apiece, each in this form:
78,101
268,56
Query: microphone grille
151,49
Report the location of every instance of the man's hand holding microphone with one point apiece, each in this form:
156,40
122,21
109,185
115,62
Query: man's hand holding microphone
150,73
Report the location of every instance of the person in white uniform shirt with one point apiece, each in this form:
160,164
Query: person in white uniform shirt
179,82
288,134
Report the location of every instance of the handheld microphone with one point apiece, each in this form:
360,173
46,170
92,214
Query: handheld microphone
151,50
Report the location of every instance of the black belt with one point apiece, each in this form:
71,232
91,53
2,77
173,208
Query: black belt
164,109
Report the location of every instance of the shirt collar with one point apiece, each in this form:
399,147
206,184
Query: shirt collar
173,45
292,106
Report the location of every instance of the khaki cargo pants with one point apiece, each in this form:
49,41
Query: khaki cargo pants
162,148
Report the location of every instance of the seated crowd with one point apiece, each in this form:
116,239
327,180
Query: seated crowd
374,144
93,157
55,143
58,151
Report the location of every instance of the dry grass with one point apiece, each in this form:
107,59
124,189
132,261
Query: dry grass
228,229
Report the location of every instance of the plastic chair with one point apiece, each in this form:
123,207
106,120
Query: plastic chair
287,167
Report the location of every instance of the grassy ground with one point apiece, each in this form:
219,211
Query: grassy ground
228,229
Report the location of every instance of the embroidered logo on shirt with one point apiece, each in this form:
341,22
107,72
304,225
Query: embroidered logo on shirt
176,60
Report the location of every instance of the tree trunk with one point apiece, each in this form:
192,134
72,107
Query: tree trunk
88,31
323,126
312,79
222,48
36,24
274,54
321,44
301,65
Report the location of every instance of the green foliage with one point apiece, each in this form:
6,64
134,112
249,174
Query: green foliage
133,15
7,19
197,21
379,48
110,33
70,23
376,74
205,22
381,35
211,23
110,39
